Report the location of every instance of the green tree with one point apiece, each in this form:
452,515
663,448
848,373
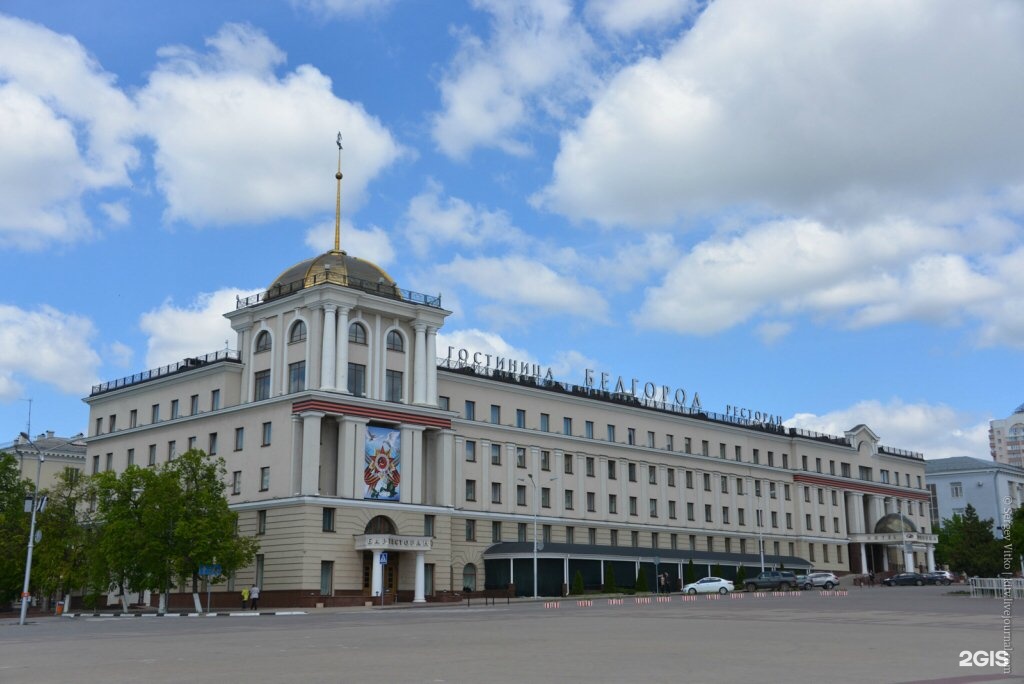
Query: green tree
741,576
641,580
577,583
609,579
689,573
14,524
967,544
61,559
1016,537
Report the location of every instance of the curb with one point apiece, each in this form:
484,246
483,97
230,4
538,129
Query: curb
249,614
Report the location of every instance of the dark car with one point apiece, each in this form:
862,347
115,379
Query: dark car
905,578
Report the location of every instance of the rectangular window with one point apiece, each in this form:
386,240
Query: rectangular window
357,379
154,413
588,429
652,508
570,535
834,498
520,495
670,442
634,538
613,504
711,543
428,525
707,513
844,469
193,404
191,443
611,470
470,410
831,467
567,426
835,525
689,479
239,438
739,453
172,450
772,492
296,376
808,525
264,478
810,552
470,450
545,422
592,536
590,466
567,463
821,523
807,495
393,385
631,468
693,542
652,475
520,457
495,414
650,439
109,462
174,409
755,456
611,433
775,519
632,505
214,400
152,454
568,499
261,386
521,532
495,454
672,510
545,460
471,530
725,484
785,461
631,436
883,477
821,496
470,490
261,522
326,578
789,521
112,424
133,418
212,444
496,531
787,494
328,520
671,477
236,482
131,457
266,434
757,488
739,486
99,426
707,482
496,492
591,502
545,497
705,448
741,517
725,515
956,489
614,537
721,450
728,545
520,418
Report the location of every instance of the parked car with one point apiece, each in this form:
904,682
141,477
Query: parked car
939,577
782,580
822,579
709,585
905,578
803,582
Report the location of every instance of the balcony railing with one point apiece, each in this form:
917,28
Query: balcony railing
163,371
380,288
900,452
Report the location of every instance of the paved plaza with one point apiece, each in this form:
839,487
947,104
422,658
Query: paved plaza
903,634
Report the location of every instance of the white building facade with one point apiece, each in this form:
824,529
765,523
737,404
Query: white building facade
992,488
370,464
1006,438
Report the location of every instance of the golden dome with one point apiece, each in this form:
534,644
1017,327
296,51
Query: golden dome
335,267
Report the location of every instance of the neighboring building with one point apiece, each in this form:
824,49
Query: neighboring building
989,487
1006,438
367,465
59,454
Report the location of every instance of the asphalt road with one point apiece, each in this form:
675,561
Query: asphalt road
901,634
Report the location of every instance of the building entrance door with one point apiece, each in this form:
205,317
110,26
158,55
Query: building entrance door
389,573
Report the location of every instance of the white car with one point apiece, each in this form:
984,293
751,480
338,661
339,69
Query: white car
822,579
709,585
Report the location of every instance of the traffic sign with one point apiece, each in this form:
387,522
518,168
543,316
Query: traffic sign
209,570
383,558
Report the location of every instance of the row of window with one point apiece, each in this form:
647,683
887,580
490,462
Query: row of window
356,335
356,381
155,412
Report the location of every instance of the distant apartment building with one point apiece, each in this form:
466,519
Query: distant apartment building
1006,438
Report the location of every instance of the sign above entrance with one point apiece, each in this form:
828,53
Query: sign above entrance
392,542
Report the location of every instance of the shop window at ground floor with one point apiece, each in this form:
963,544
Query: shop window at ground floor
469,577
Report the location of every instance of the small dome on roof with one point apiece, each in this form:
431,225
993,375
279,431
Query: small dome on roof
335,267
894,522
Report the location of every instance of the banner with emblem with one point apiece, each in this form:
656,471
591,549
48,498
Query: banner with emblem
382,471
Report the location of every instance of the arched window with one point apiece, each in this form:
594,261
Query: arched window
298,333
380,525
263,342
395,342
469,577
357,333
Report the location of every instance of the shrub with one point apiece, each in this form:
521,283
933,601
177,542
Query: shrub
609,579
641,581
577,583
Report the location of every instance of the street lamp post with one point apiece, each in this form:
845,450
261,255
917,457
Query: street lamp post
536,509
32,531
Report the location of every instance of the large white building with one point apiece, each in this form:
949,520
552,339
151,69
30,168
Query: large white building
1006,438
348,440
992,488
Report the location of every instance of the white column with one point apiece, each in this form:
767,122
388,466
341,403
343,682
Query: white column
310,476
356,446
931,558
296,460
328,354
431,362
885,559
342,486
864,569
376,581
418,595
341,342
419,378
446,470
908,559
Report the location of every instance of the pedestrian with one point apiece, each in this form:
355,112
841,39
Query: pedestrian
254,596
245,597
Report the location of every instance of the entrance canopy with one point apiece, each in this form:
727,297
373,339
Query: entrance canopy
644,555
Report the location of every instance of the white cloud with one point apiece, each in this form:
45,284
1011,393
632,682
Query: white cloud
345,9
372,244
627,16
476,340
117,212
65,130
236,143
838,107
119,354
435,221
862,276
198,328
533,63
517,285
935,430
46,345
773,331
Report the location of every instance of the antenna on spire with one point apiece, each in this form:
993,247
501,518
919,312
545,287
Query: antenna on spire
337,205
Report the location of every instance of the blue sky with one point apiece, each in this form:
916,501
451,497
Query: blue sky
813,209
